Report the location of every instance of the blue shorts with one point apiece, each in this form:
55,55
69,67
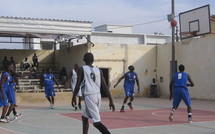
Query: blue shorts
129,90
181,93
11,95
5,101
49,91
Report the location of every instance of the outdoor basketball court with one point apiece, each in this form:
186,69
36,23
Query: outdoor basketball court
150,116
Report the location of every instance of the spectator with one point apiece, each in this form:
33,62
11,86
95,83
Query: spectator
63,75
33,75
13,62
26,64
4,63
35,60
154,88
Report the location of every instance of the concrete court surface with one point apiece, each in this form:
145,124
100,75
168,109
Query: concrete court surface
150,116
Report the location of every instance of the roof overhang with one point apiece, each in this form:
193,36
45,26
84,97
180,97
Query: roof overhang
20,27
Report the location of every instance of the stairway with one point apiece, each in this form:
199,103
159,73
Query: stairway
33,85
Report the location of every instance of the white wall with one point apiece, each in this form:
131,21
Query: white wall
198,58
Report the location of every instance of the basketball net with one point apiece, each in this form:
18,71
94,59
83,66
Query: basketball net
186,37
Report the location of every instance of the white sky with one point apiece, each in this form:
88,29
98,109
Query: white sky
125,12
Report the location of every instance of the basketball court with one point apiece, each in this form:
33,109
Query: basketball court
150,115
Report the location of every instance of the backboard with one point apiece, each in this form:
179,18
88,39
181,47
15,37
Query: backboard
195,22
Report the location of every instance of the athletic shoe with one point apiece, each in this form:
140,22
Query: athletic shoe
17,116
3,120
122,109
79,106
52,106
190,120
130,105
171,117
76,108
8,119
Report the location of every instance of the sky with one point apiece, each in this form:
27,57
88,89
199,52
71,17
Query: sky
120,12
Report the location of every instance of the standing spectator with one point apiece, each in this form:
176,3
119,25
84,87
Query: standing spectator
13,62
26,64
4,63
154,89
35,60
63,75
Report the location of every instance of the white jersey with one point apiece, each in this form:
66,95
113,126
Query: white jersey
74,81
92,80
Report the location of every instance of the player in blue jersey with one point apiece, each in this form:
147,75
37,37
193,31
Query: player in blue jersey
47,81
129,83
180,82
4,87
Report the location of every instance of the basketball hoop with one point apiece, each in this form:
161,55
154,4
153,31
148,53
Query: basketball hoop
186,37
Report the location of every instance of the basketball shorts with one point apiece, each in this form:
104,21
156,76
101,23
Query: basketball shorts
129,90
92,106
79,92
11,95
179,94
5,101
49,91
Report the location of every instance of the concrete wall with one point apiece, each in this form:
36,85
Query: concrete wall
45,57
198,57
117,58
68,57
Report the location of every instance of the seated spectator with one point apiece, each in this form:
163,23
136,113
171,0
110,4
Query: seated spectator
63,75
26,64
33,75
35,60
154,88
4,63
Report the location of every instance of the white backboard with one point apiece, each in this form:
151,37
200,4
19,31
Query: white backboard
196,20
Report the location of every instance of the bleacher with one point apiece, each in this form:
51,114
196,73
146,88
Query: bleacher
33,85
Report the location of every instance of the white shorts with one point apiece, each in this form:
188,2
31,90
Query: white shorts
92,106
79,92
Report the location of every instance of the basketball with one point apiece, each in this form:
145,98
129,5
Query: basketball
173,23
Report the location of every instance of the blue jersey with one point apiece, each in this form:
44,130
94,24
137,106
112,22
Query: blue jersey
180,79
130,79
48,79
8,81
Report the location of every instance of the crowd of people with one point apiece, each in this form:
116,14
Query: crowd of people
86,82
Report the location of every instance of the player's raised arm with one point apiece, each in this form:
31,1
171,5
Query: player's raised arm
105,87
191,84
119,80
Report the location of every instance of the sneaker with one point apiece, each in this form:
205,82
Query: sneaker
8,119
171,117
190,120
52,106
76,108
122,109
3,120
79,106
17,116
130,105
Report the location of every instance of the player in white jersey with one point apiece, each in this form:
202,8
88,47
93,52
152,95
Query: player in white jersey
91,79
72,79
